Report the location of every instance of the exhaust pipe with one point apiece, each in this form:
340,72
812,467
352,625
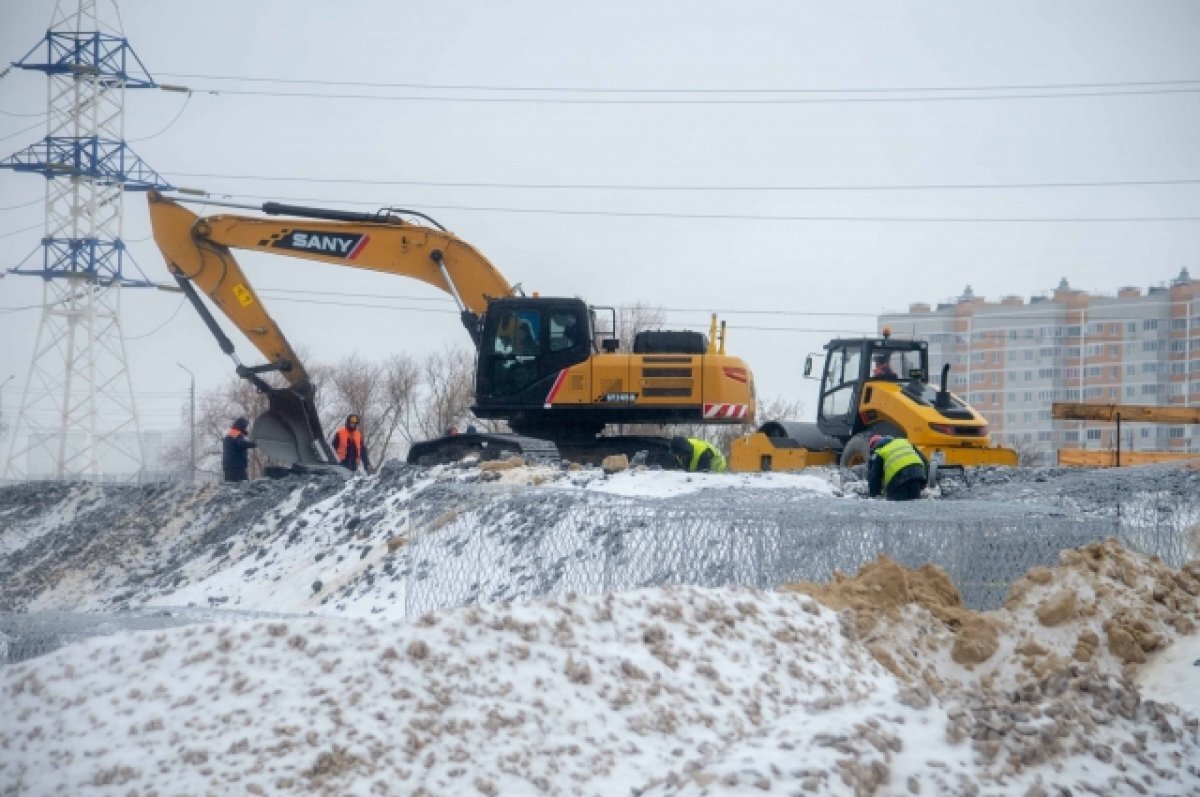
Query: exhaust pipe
942,401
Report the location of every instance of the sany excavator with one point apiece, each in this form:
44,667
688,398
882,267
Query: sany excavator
541,364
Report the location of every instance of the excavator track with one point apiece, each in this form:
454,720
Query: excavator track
484,445
650,451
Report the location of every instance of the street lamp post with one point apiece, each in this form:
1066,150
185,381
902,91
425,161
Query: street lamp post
192,401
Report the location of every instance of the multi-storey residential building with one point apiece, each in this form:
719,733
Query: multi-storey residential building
1012,358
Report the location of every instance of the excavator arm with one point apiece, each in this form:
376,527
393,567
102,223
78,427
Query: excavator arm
198,254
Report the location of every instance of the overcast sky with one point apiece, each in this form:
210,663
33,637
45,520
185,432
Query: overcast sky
727,123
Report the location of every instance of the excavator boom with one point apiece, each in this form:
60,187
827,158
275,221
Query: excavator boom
198,254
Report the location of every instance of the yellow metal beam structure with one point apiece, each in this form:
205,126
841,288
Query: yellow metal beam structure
1128,413
1079,458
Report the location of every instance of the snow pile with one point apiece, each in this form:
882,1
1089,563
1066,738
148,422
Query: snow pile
593,695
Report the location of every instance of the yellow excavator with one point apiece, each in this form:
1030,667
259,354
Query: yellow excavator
547,366
874,386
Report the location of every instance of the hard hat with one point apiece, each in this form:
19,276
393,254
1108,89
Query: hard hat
875,440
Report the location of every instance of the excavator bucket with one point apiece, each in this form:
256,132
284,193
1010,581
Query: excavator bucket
289,432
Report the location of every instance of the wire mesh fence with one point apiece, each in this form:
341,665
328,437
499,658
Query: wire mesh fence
627,545
521,544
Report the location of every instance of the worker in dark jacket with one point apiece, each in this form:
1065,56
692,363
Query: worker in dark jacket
897,470
235,452
348,446
693,454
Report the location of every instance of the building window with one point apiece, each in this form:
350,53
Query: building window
1178,323
1093,434
1150,323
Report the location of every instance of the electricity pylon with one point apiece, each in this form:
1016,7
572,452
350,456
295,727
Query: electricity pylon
77,417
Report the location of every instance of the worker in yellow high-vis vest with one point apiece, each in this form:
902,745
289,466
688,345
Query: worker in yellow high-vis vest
897,470
694,454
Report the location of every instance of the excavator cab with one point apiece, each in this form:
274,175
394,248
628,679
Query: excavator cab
526,343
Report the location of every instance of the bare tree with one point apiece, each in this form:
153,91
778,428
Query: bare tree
400,381
635,318
445,395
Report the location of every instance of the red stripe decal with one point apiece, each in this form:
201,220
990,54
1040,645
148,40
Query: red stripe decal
558,380
358,247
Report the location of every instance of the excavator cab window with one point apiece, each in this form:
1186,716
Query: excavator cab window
564,330
525,343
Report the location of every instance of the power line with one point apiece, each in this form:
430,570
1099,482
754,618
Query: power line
725,101
182,302
33,126
686,90
1024,312
644,187
23,204
759,217
18,232
735,216
169,124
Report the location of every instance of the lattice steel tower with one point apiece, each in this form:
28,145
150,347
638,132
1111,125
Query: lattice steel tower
78,375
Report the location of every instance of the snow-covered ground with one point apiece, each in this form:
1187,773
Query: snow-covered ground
881,682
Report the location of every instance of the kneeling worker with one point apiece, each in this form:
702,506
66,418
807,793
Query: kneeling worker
897,470
694,454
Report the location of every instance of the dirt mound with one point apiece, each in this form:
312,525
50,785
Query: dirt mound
1102,606
881,591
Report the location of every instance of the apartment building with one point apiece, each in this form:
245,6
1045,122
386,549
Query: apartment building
1012,358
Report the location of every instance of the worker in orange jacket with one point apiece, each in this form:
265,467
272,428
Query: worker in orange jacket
348,446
